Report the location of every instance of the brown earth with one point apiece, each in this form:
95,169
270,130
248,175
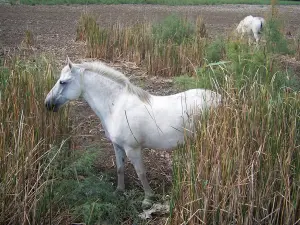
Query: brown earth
54,32
54,27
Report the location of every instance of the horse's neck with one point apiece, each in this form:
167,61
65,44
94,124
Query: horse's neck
101,94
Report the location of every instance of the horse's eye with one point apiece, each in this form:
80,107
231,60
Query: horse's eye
62,82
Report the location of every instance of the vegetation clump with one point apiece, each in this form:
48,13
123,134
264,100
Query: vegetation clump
168,48
27,132
83,195
173,28
242,164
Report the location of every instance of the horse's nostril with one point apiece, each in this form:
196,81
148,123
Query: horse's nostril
49,105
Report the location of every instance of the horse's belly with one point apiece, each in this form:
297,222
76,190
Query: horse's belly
163,141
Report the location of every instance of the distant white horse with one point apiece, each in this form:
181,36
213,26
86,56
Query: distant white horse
132,118
251,26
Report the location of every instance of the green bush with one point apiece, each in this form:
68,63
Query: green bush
173,28
215,50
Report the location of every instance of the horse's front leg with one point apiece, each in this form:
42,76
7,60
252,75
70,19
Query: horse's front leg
120,158
135,156
256,36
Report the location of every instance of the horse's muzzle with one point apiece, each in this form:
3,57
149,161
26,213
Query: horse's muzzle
51,107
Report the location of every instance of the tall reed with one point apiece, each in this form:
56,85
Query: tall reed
27,134
242,166
139,44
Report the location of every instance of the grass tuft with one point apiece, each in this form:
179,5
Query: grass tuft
174,29
242,165
82,195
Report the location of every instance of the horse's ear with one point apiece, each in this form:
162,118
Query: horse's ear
70,64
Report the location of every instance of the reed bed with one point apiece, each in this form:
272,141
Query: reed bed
140,45
242,166
27,135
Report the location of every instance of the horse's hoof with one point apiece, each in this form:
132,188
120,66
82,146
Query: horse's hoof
147,203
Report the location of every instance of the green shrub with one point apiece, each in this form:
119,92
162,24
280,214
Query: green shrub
173,28
215,50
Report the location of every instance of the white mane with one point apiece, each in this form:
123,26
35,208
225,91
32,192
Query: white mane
116,76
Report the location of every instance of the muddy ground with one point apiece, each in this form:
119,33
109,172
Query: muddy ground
54,32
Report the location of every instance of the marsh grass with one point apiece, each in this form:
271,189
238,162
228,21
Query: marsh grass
27,131
242,164
275,40
174,45
171,47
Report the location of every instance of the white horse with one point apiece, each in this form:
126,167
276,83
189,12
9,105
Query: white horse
132,118
251,26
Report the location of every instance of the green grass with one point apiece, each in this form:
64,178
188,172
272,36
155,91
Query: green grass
78,193
161,2
173,28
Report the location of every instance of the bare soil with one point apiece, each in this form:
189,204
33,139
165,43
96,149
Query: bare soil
54,32
54,27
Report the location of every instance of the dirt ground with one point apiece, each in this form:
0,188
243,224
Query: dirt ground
54,27
54,32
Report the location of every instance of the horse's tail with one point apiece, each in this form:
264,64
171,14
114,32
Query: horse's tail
262,23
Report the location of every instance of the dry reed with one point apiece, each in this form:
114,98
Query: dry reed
136,44
27,133
243,164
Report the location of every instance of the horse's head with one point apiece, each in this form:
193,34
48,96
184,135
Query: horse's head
68,87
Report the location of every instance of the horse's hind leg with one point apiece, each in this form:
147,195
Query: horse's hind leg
135,156
120,158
